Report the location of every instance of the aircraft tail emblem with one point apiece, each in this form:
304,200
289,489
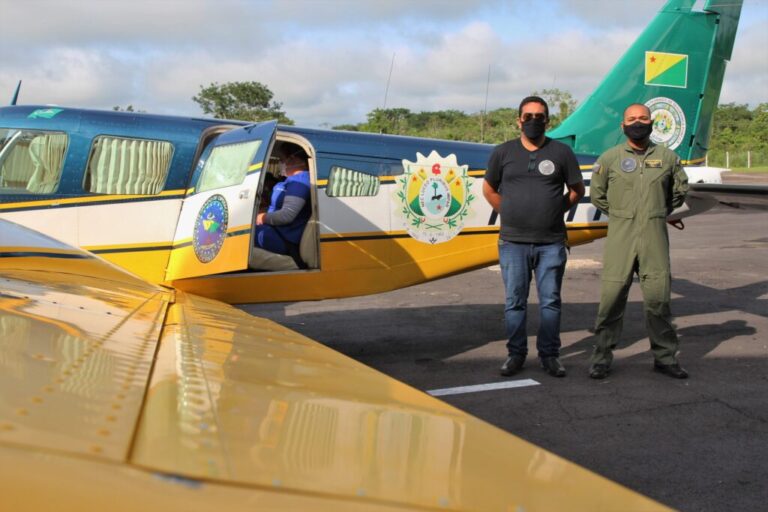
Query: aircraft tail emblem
676,68
433,197
666,69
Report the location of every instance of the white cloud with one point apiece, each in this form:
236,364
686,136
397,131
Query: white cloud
225,23
612,13
71,75
328,61
747,73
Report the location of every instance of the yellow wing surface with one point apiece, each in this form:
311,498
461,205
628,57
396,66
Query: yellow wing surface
120,395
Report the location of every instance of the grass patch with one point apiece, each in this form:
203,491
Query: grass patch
751,170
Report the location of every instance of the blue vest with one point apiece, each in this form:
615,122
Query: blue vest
297,185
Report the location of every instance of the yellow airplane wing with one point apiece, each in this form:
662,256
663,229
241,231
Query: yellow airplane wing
120,395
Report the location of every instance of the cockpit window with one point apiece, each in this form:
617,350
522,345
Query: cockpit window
120,165
31,160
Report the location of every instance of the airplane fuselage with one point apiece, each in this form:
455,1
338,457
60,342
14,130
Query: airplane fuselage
370,238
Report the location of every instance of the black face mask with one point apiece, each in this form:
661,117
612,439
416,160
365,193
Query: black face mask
638,132
534,128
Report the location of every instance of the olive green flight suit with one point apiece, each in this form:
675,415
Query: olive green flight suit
637,191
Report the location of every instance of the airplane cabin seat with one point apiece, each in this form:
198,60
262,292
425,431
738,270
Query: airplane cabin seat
261,259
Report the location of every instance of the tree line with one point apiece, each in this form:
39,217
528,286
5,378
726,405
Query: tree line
492,127
736,127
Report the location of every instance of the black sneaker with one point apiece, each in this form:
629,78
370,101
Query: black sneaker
512,365
599,371
553,366
673,370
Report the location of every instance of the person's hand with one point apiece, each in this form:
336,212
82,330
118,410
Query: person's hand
260,219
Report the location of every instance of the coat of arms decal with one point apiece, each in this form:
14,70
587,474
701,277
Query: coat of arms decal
434,198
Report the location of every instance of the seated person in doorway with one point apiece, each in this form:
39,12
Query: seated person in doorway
279,229
270,180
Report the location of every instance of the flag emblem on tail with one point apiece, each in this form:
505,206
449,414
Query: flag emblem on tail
666,69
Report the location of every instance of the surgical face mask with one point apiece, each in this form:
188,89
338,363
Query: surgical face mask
534,127
638,131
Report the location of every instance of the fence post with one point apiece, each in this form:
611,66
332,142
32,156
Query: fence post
706,160
727,159
749,159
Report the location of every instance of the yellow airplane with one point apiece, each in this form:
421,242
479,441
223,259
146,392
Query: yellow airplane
117,394
120,394
174,199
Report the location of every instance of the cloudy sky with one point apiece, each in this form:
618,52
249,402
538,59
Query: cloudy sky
328,61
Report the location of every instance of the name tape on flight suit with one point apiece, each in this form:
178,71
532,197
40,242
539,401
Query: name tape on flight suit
653,164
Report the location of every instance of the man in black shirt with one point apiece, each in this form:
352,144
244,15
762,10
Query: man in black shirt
526,183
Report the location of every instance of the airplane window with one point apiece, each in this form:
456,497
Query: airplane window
392,169
227,165
31,160
343,182
127,166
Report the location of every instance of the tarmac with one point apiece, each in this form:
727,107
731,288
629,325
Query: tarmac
699,444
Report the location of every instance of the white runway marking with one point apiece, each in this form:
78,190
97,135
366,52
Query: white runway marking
484,387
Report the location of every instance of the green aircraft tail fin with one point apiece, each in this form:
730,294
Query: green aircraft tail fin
676,67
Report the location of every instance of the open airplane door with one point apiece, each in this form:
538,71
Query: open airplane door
213,234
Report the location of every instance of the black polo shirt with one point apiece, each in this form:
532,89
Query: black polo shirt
531,184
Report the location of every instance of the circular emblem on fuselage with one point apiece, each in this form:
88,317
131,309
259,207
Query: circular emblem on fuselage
668,122
210,228
628,165
546,167
433,197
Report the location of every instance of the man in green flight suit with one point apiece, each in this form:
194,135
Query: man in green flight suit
637,184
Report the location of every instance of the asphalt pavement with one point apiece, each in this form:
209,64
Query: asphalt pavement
697,445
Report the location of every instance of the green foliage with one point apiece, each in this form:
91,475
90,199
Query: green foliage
129,108
245,101
391,120
348,127
492,127
501,125
561,105
736,129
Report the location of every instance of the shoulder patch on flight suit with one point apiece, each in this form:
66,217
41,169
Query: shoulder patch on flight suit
596,168
628,165
653,164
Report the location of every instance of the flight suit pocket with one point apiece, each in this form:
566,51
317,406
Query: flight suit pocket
656,176
622,214
621,190
655,214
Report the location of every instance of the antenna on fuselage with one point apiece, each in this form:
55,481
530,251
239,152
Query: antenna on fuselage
16,93
389,78
485,106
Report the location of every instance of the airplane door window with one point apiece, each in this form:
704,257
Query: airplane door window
227,165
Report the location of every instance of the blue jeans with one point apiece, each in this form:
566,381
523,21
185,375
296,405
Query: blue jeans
547,262
266,237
